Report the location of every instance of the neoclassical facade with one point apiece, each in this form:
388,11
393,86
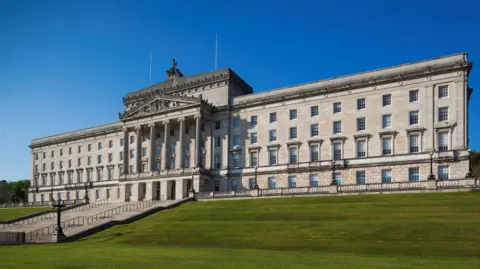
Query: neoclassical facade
211,132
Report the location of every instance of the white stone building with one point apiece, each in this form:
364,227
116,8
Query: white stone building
210,132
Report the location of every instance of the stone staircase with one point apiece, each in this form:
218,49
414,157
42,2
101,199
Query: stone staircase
94,220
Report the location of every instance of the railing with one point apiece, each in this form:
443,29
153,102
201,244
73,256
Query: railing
82,220
53,214
357,188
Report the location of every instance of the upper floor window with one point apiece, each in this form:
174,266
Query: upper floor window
236,123
442,114
70,163
36,155
121,142
293,152
314,153
236,140
443,141
99,160
272,157
337,150
386,121
236,160
218,141
218,125
53,154
253,121
110,143
253,159
99,145
70,151
89,147
361,124
272,135
293,114
314,130
413,96
253,138
273,117
132,139
293,132
387,146
144,152
313,111
44,155
413,117
443,91
157,151
361,104
79,149
110,157
414,143
337,107
172,148
132,154
337,127
361,148
172,132
386,100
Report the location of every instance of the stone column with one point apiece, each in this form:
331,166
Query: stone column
149,191
198,137
179,189
153,137
126,155
181,151
165,144
138,154
121,198
134,193
163,190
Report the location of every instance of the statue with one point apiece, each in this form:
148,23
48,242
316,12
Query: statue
174,71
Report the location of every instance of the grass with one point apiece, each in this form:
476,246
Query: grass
371,231
13,213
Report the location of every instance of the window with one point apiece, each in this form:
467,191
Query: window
110,173
89,147
387,146
292,182
132,139
36,155
79,162
99,159
132,154
144,167
413,116
253,138
442,114
361,103
361,148
236,140
172,148
338,178
99,145
314,130
77,195
70,163
314,153
253,159
97,194
273,117
52,166
120,170
61,154
413,96
121,142
79,176
236,123
337,150
130,167
413,141
251,183
386,175
313,111
293,153
108,194
360,177
314,180
272,135
99,174
443,91
337,107
110,157
218,125
157,165
110,143
216,160
253,121
293,132
60,179
337,127
89,160
70,177
272,157
236,160
293,114
386,100
52,154
187,147
120,155
158,150
70,151
59,196
386,121
443,172
217,141
172,132
272,183
413,174
172,164
44,155
360,124
79,149
144,152
235,184
44,167
443,141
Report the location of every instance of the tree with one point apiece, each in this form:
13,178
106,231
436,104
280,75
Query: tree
5,189
20,190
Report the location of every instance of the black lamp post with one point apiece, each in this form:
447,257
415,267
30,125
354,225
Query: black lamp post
470,169
58,230
334,181
87,186
431,176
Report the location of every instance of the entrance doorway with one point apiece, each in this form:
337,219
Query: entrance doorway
189,185
171,189
157,191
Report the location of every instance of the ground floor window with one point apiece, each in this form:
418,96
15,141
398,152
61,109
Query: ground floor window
360,177
443,172
386,175
108,193
59,196
251,183
314,180
68,196
338,178
272,183
413,174
77,195
97,194
292,182
235,184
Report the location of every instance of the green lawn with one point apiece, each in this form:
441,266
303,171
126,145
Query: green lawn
370,231
12,213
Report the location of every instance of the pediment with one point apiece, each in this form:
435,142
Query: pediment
159,103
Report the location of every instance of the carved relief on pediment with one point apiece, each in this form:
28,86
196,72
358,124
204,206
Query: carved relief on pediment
159,104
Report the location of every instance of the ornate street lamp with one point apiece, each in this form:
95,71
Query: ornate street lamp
334,181
88,185
58,235
431,176
256,185
470,168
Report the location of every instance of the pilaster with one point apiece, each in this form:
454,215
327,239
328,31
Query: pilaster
179,189
181,152
138,154
149,191
165,144
134,194
153,137
163,190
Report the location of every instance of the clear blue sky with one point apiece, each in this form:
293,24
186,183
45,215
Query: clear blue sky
65,65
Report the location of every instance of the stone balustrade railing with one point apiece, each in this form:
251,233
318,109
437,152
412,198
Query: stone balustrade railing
432,185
